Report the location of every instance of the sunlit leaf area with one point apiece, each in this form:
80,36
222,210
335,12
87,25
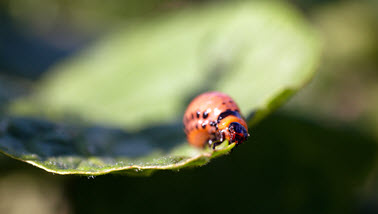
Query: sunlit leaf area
93,93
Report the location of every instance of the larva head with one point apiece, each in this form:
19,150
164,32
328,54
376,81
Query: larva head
237,133
234,127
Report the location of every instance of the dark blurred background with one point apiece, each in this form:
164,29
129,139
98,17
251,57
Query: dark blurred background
317,154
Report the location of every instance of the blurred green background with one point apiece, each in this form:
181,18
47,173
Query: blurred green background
317,154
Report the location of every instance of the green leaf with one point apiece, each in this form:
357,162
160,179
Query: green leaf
141,77
98,150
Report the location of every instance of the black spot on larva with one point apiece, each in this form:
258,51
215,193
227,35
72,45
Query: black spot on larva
203,125
205,114
196,126
192,116
223,103
227,113
213,123
198,114
230,101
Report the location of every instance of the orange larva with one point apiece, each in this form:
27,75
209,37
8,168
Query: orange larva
212,117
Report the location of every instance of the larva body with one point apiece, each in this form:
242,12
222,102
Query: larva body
213,117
